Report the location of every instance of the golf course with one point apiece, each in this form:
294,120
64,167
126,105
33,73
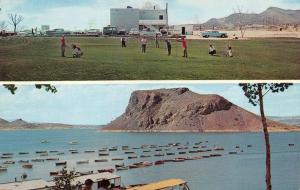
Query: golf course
38,59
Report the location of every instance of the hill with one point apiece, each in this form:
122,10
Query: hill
271,16
20,124
181,110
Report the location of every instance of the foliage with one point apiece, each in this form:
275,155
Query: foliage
65,180
48,88
251,91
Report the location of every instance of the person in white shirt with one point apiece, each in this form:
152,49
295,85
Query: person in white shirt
144,44
212,50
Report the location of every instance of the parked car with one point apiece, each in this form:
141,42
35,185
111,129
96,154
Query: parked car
110,31
93,33
214,34
57,32
150,32
134,31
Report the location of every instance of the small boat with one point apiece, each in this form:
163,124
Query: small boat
41,152
291,145
159,162
73,143
44,154
54,173
196,147
3,169
119,165
129,152
132,157
7,154
61,163
178,160
102,160
85,173
103,150
170,153
37,160
106,170
53,151
136,148
232,152
237,147
52,159
122,168
27,166
145,156
44,142
117,159
249,146
198,143
133,166
23,153
203,146
9,162
193,151
113,149
74,152
103,154
215,155
145,151
182,153
82,162
158,150
6,157
159,155
89,151
23,161
216,148
60,153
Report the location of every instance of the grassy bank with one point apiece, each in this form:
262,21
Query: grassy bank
38,59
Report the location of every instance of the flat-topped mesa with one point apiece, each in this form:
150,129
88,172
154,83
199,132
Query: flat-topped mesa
181,110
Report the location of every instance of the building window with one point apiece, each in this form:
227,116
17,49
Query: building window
161,17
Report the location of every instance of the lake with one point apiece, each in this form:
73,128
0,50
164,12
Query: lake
245,170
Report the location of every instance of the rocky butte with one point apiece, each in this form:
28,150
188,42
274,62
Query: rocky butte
181,110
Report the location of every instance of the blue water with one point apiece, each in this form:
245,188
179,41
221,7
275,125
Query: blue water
243,171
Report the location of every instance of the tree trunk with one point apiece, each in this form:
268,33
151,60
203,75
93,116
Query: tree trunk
267,138
15,28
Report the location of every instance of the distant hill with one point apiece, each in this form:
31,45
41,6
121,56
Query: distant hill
295,120
271,16
23,125
181,110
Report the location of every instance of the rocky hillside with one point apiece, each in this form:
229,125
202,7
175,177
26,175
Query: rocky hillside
272,16
181,110
20,124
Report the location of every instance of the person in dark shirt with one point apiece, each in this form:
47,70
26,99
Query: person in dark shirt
169,47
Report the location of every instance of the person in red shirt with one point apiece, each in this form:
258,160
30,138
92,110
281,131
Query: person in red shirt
63,46
184,46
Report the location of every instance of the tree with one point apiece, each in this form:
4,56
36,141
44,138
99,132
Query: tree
65,180
256,93
15,20
49,88
241,20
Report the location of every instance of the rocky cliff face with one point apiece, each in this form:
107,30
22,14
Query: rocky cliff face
181,110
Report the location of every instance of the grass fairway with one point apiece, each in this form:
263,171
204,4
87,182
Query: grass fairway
38,59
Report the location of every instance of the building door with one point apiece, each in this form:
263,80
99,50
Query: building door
183,30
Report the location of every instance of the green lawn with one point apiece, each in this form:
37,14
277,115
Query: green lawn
38,59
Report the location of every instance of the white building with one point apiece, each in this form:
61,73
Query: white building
128,18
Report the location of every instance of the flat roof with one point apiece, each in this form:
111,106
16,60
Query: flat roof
96,177
160,185
26,185
41,184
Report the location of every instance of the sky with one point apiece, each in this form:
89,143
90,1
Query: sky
86,14
98,104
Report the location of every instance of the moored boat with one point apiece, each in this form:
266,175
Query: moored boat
27,166
103,154
159,162
110,170
102,160
82,162
61,163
